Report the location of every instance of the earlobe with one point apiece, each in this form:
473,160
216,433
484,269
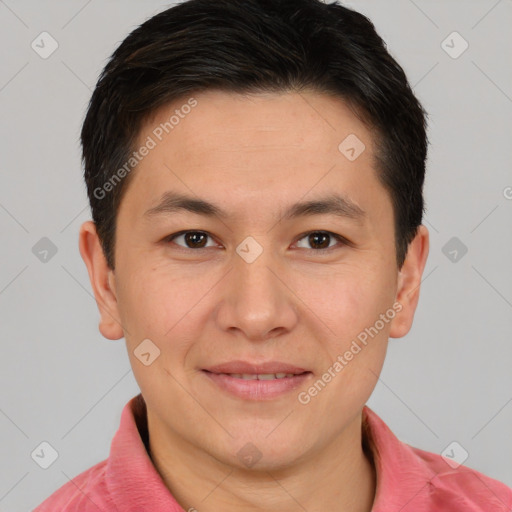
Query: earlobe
102,281
409,281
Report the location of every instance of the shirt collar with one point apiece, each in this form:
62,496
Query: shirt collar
129,466
402,476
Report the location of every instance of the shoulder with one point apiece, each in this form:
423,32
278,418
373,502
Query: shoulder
410,479
458,487
86,492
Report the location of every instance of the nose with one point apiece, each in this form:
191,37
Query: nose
255,301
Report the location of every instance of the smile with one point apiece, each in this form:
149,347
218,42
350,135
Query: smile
257,386
259,376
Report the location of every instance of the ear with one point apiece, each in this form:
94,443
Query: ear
409,280
102,281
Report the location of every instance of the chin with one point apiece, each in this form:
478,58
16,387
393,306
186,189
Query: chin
262,452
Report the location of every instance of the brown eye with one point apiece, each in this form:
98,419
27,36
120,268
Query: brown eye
320,240
191,239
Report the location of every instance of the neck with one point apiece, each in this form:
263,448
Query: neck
339,477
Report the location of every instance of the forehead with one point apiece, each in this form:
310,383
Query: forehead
224,122
235,149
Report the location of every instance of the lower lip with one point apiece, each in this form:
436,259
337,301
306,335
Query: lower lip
257,389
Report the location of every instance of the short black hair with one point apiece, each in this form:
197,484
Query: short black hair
252,46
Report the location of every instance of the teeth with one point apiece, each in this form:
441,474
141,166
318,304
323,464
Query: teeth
246,376
259,376
267,376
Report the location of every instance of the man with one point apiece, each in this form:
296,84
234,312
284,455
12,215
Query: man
255,171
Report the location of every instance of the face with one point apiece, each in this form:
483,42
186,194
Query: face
250,285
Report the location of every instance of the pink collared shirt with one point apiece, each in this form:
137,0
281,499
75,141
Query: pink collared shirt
408,479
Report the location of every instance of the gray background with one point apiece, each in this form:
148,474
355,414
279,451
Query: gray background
448,380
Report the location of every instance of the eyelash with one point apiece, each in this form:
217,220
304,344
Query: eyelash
339,238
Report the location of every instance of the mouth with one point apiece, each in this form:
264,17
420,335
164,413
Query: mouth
259,376
278,368
257,381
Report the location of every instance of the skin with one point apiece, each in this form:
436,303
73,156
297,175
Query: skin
253,156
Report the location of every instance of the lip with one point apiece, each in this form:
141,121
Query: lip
256,389
253,368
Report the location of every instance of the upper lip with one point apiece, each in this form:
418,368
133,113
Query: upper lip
253,368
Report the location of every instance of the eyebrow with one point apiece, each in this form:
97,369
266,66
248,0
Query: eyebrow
333,204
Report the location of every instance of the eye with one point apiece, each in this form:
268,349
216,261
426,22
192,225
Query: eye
320,240
192,239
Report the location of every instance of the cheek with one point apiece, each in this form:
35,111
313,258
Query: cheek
356,346
152,303
158,306
348,299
